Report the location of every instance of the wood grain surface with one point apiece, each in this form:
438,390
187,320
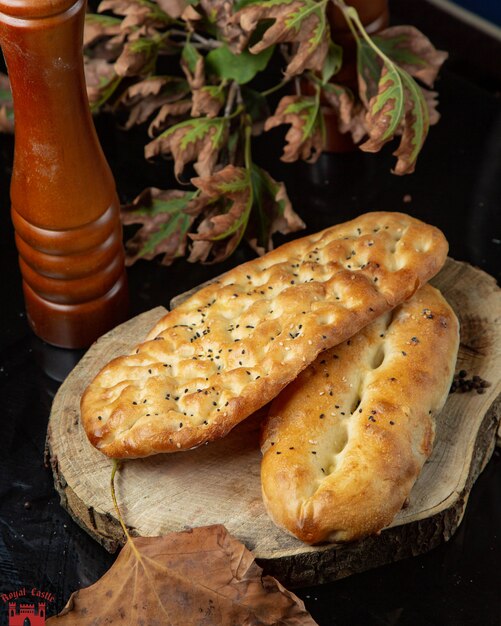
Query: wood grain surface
220,482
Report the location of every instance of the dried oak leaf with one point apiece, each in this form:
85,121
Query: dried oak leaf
385,110
200,577
301,22
399,107
169,114
229,193
6,106
165,224
138,57
101,80
305,138
150,94
431,99
350,111
413,52
137,13
198,140
416,123
210,252
99,26
208,100
174,8
271,211
193,66
220,13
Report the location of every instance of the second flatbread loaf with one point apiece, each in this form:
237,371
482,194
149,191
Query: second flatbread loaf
232,347
345,442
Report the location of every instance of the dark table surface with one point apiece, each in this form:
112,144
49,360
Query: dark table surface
457,186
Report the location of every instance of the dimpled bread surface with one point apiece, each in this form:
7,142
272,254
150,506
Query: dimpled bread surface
344,443
235,344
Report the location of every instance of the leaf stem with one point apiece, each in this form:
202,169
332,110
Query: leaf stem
248,141
351,16
271,90
232,92
117,464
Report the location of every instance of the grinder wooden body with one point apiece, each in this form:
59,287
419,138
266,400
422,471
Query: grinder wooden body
64,204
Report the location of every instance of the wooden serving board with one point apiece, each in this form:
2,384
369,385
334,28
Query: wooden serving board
220,482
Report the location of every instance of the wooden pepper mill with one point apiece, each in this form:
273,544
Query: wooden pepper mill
64,203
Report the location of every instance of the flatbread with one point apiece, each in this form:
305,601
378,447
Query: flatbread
345,442
234,345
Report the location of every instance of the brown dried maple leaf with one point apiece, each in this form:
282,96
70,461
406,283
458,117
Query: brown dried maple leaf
415,128
136,13
100,78
350,111
219,12
231,189
174,8
385,110
137,58
200,577
301,22
198,139
413,51
99,26
165,221
304,139
147,96
169,114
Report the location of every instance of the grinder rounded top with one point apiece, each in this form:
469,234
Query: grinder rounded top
35,8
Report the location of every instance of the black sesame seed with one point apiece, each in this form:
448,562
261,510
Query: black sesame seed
99,417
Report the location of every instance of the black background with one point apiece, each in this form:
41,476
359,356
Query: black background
457,186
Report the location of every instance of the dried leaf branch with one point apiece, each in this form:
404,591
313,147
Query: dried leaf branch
191,72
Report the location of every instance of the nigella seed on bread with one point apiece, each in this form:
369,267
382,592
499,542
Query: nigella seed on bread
235,344
352,444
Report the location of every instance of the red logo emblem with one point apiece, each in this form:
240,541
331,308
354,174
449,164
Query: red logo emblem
27,614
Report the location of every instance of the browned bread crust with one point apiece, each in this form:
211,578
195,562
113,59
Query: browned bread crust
345,441
234,345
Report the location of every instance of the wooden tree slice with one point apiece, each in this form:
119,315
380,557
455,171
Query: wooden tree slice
220,482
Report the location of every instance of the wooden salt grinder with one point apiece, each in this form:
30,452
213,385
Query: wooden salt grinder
64,203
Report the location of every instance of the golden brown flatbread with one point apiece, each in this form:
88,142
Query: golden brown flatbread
234,345
345,441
